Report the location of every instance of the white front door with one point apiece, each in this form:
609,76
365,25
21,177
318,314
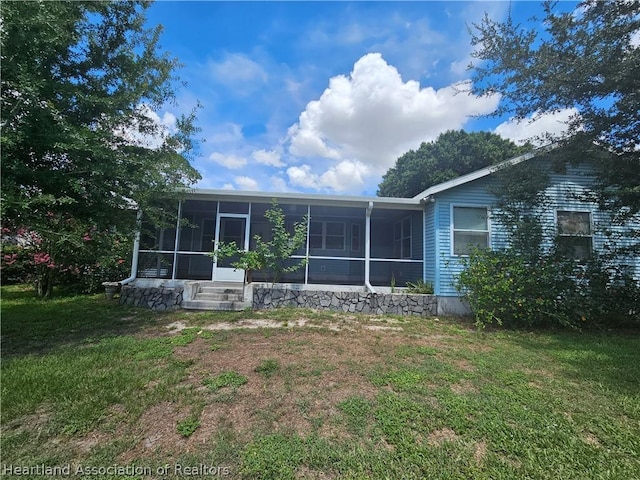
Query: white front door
232,228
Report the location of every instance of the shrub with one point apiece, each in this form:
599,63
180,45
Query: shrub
420,287
505,288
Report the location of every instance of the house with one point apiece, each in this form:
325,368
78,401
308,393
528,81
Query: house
369,242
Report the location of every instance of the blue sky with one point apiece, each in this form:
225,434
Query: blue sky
324,96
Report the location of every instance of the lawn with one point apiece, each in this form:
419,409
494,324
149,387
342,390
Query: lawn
96,389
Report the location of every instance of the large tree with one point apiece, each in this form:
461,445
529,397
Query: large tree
452,154
80,140
587,59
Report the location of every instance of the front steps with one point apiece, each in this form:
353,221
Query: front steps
215,296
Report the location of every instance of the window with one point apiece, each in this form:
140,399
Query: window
355,237
470,229
402,238
327,235
574,234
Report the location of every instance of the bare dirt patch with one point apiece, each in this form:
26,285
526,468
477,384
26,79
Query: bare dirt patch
316,370
480,451
463,387
156,432
438,437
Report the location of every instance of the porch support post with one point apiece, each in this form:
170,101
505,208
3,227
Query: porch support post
367,247
177,242
306,267
215,241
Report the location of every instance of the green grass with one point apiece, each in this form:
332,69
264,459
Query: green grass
437,400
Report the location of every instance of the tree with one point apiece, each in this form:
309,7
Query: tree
452,154
80,141
270,256
587,59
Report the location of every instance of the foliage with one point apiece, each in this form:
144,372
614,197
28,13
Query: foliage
80,141
533,284
84,259
452,154
268,367
506,288
188,426
226,379
420,287
587,59
269,256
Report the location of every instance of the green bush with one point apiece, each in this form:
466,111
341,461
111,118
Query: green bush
420,287
505,288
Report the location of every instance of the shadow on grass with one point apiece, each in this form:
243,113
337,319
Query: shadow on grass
609,359
34,326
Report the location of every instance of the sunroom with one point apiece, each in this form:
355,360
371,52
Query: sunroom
350,240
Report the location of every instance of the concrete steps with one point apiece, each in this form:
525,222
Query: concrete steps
217,296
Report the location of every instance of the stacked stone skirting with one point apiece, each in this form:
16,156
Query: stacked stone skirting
354,302
155,298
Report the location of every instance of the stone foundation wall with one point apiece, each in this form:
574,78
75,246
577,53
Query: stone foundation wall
155,298
354,302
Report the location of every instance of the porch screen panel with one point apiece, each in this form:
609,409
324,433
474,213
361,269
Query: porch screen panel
234,207
198,229
289,277
382,273
194,267
336,272
155,265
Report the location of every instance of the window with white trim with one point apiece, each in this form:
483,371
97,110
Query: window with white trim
402,238
575,238
355,237
470,229
327,235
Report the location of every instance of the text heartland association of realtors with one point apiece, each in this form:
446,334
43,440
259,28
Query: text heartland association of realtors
124,470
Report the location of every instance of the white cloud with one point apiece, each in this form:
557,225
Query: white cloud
228,186
226,133
302,177
238,72
372,117
246,183
267,157
230,161
346,176
278,184
538,129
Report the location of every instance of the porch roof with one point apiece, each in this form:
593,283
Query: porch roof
307,198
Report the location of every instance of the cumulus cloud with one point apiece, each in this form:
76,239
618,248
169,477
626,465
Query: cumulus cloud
278,184
267,157
363,122
374,116
246,183
229,161
345,176
538,129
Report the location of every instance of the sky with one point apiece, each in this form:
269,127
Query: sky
323,97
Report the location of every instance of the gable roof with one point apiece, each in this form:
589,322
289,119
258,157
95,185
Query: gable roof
483,172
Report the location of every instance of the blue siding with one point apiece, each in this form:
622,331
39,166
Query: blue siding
429,243
448,266
564,194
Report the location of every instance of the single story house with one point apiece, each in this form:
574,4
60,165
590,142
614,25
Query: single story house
370,242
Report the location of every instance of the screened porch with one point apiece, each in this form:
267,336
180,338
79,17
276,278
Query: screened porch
347,244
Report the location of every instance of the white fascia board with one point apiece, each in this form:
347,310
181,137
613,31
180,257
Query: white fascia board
306,198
